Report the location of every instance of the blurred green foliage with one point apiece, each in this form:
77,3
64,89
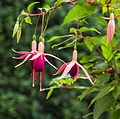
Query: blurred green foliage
18,100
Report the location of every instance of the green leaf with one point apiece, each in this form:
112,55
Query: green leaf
50,92
87,59
58,2
57,37
15,28
103,78
100,66
62,42
102,93
87,92
91,42
106,49
73,30
89,45
84,29
102,105
81,10
46,8
18,34
31,5
115,114
28,20
88,65
116,92
67,80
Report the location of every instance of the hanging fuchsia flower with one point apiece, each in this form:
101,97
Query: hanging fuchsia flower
38,62
73,68
91,1
110,28
26,55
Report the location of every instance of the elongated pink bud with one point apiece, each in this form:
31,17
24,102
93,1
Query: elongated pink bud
34,45
74,55
91,1
110,28
41,47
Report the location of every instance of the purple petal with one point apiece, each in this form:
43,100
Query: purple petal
74,71
67,69
85,71
39,63
61,69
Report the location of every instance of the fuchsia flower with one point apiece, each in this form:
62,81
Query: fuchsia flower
110,28
37,60
91,1
26,55
73,68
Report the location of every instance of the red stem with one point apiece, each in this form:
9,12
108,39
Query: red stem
54,7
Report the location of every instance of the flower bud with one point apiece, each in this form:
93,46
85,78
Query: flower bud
110,28
91,1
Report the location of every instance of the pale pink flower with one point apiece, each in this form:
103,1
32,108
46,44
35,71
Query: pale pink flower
110,28
73,68
91,1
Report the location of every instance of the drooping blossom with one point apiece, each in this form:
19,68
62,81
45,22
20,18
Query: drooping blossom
91,1
27,55
73,68
110,28
38,62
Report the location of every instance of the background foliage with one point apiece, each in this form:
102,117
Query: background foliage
17,97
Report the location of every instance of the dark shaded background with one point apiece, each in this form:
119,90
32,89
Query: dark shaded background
18,100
